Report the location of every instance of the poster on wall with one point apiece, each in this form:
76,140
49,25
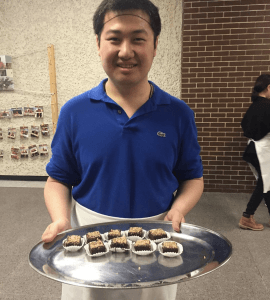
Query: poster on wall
6,74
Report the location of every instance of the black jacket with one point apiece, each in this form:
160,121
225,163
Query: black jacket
256,124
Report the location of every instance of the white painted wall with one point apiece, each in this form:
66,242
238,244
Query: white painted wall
27,27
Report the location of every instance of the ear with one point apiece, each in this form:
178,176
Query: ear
268,91
156,43
98,44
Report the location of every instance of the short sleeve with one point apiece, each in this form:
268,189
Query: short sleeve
189,163
62,165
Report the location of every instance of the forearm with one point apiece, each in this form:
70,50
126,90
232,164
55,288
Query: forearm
57,199
188,194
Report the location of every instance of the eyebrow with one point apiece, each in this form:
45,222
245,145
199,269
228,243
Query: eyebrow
119,31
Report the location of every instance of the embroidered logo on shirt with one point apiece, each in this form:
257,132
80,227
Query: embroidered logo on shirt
161,134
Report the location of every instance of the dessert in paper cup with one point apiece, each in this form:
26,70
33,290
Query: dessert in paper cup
93,236
97,248
158,235
170,248
120,244
143,247
135,233
113,233
73,243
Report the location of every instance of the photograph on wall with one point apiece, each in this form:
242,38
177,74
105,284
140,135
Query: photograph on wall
29,111
6,73
15,152
17,112
43,150
24,152
39,111
5,113
35,131
24,133
33,150
11,133
45,129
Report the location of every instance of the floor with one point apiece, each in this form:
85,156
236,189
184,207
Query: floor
245,276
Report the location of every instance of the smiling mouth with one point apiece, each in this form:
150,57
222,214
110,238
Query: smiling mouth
126,66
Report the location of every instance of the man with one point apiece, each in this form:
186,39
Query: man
125,146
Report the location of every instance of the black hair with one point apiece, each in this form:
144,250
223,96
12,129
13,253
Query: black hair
121,5
260,85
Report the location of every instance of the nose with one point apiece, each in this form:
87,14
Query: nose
126,50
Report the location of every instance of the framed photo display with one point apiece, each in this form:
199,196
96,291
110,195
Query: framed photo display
6,73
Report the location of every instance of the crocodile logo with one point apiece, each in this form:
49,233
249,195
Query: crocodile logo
161,134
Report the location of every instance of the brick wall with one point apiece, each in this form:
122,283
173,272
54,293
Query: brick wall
226,46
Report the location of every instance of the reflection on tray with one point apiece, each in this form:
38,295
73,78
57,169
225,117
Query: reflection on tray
170,262
99,259
144,260
121,257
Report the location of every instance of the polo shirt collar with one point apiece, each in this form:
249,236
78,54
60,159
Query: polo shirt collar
158,98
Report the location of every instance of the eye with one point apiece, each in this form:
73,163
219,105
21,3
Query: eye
139,39
113,39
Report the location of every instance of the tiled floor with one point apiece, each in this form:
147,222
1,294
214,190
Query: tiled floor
245,276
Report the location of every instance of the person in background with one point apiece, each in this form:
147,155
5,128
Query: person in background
256,127
124,147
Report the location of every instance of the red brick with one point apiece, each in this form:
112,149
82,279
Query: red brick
237,53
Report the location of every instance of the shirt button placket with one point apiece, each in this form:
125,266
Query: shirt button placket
120,116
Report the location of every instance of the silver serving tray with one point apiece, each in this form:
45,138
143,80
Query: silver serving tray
203,251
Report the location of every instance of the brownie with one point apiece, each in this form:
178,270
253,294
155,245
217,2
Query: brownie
93,236
170,247
73,240
97,247
142,245
119,242
156,234
114,233
135,231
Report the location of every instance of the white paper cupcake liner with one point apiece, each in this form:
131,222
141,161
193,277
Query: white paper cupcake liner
135,238
145,252
73,248
116,249
170,254
159,240
86,247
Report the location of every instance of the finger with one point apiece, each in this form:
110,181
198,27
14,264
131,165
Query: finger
47,237
166,218
176,221
49,234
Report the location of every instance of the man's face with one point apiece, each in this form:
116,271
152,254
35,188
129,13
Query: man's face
127,47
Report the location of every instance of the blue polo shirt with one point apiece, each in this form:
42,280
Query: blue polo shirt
120,166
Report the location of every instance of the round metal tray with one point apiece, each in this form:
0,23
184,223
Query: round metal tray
203,251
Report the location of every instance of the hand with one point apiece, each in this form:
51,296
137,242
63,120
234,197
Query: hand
54,228
176,217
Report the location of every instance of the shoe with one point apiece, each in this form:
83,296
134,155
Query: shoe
250,223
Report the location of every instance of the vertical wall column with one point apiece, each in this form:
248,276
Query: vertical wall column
53,89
